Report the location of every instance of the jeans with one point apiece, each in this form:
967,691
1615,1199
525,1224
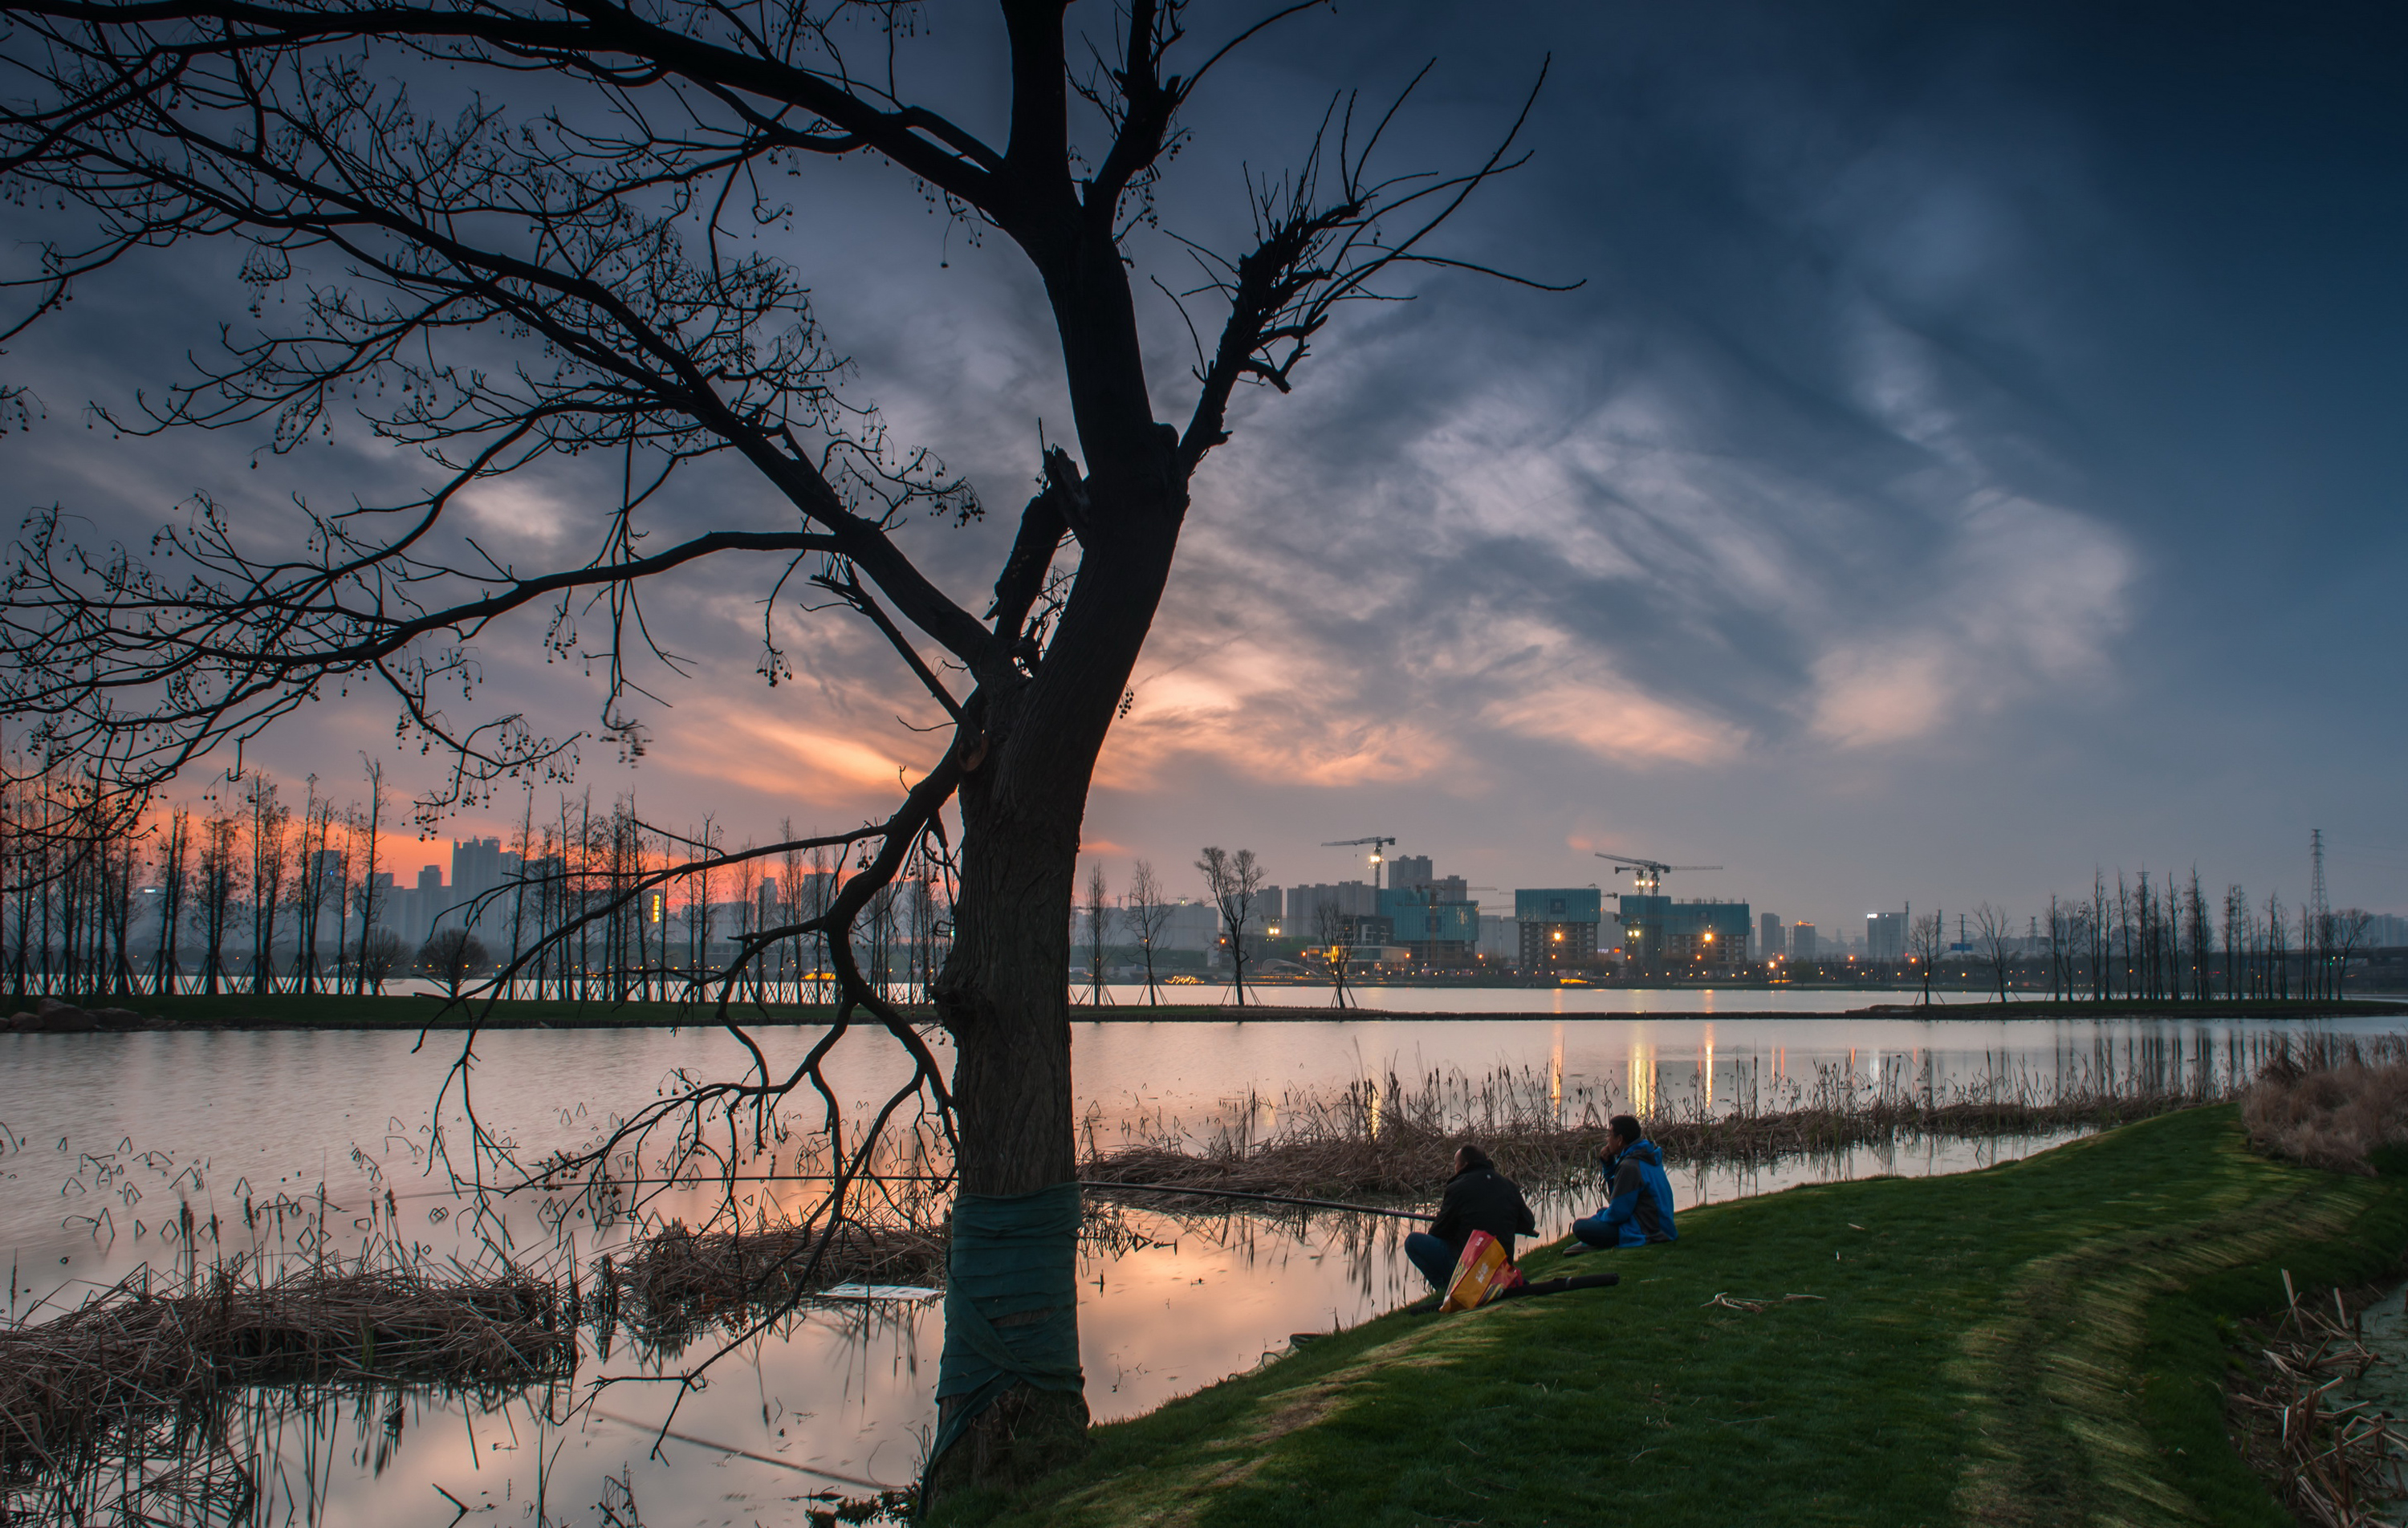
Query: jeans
1593,1232
1434,1257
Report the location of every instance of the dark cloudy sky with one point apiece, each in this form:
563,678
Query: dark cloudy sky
1975,455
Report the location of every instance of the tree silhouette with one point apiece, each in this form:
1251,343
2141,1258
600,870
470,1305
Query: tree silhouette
449,956
508,289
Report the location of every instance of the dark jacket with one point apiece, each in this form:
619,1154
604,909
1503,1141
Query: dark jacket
1482,1199
1641,1206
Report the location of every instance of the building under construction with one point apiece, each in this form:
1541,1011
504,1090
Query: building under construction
1558,926
1662,934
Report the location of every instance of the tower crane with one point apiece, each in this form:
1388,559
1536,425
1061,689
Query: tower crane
1377,842
1646,873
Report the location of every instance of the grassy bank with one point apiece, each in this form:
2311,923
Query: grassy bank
2039,1343
292,1010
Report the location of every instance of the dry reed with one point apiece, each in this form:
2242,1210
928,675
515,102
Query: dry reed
2333,1462
2330,1101
1389,1138
677,1279
131,1349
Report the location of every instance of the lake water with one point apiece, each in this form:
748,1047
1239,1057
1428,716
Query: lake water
107,1136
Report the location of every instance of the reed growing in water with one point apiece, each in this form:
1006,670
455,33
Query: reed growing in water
136,1364
1389,1137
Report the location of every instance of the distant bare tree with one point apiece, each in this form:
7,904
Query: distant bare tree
380,954
2236,938
1332,929
1232,879
2349,930
270,823
1994,934
220,837
1148,915
2278,950
366,833
452,955
1925,940
311,884
175,881
1099,908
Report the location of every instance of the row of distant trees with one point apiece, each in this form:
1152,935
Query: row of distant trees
2154,940
247,891
1231,882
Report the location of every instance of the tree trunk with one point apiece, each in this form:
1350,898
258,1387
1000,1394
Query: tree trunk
1004,993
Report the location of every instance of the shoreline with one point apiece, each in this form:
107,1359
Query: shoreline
410,1013
2066,1322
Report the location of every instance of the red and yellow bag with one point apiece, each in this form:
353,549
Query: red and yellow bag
1479,1275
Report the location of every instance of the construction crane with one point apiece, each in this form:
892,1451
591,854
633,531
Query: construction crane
1646,873
1377,842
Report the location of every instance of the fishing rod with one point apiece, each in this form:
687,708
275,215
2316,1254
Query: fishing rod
1263,1198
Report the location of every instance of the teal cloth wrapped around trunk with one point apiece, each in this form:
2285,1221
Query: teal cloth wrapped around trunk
1012,1255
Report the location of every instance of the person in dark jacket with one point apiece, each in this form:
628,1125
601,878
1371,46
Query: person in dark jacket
1478,1198
1639,1207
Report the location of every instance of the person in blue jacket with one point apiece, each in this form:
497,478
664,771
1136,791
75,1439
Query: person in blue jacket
1638,1208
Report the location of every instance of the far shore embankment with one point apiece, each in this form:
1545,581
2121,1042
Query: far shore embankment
325,1011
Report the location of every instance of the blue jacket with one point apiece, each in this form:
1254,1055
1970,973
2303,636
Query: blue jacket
1641,1210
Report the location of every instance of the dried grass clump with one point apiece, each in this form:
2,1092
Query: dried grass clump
2331,1102
131,1349
678,1279
2333,1462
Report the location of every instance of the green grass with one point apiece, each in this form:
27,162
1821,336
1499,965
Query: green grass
2037,1343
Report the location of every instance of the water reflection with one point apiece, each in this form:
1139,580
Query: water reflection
181,1146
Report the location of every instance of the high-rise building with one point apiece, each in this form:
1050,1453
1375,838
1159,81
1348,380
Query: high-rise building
1802,942
1659,933
1885,935
1407,871
1558,926
1769,939
1437,932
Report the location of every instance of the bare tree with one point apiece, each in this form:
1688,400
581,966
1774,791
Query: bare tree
220,839
175,880
1925,939
2349,930
312,884
1231,881
369,900
1995,932
2278,953
1148,915
1098,911
380,955
1334,931
452,955
527,293
270,826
